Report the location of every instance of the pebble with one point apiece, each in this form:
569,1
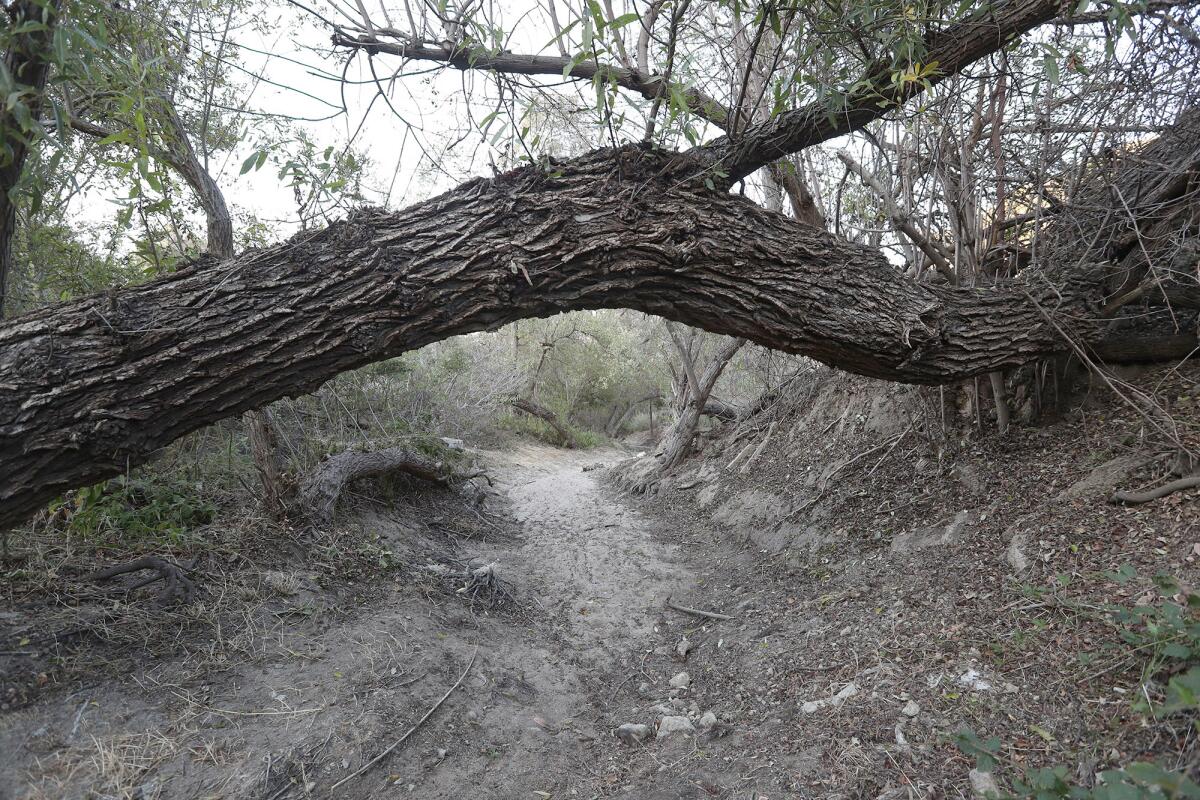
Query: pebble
707,721
668,726
911,709
633,733
683,648
848,691
681,681
983,784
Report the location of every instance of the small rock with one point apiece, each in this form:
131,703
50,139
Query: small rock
848,691
911,709
453,444
632,733
983,784
707,721
974,679
668,726
681,681
683,648
1015,554
645,689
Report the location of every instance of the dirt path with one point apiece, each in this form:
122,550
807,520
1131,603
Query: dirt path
316,695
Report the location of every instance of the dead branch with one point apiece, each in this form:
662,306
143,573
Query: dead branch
695,611
319,495
391,748
549,417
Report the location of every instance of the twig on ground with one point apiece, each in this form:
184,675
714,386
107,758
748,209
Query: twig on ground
695,611
390,748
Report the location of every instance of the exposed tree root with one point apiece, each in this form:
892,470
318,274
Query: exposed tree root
319,495
179,587
1137,498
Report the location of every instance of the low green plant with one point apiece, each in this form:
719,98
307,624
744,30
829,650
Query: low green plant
1139,781
1166,634
134,509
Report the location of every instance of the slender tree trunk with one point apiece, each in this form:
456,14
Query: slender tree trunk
28,66
679,438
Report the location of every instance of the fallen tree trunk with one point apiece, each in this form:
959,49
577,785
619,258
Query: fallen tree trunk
319,495
721,410
549,417
92,387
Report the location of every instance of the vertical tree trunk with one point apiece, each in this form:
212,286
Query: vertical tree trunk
27,65
264,450
679,438
258,425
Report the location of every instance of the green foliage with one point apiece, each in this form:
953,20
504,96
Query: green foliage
134,509
67,266
985,751
1168,634
1139,781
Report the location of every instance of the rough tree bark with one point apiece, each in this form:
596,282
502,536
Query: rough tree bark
318,497
92,387
177,151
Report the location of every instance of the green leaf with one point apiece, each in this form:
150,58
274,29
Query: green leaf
1176,650
1050,65
1123,575
623,20
984,750
1167,585
249,164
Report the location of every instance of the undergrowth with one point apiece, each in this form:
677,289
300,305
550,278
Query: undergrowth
1164,635
137,509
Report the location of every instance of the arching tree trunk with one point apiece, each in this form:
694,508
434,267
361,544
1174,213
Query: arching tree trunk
549,417
91,387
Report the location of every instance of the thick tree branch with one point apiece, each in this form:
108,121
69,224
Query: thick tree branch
981,34
646,84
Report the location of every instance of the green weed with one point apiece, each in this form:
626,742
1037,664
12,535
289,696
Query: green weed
134,510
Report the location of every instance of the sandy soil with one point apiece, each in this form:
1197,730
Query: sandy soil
310,700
